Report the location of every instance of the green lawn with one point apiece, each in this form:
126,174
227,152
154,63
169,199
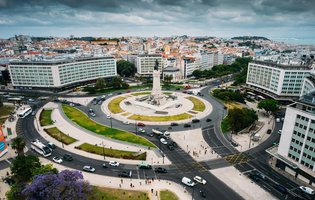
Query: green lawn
102,193
114,105
225,125
6,110
45,118
198,104
60,136
84,121
160,118
114,153
168,195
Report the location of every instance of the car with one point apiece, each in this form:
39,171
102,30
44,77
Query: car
195,121
160,170
51,145
56,159
174,124
281,188
100,103
202,194
170,147
269,131
95,102
104,165
108,116
33,113
126,122
141,130
200,180
150,134
174,144
254,177
307,190
113,163
88,168
67,157
187,125
71,104
93,114
279,132
110,94
278,120
145,166
163,141
208,120
91,110
140,124
119,93
261,176
125,174
188,181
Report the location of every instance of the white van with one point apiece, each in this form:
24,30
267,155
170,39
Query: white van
188,181
307,190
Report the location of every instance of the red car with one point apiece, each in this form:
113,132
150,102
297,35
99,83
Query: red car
140,124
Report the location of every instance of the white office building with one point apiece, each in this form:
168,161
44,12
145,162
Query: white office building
146,63
275,80
60,74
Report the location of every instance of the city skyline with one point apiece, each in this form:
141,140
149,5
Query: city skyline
273,19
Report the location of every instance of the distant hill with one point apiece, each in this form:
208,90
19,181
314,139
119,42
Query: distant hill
249,38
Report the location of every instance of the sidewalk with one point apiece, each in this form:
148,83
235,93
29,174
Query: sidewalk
85,136
124,183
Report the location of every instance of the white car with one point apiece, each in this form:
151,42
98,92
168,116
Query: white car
163,141
280,131
108,116
113,163
200,180
126,122
141,130
307,190
56,159
88,168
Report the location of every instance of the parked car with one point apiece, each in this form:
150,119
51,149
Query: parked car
88,168
200,180
163,141
145,166
208,120
140,124
187,125
195,121
307,190
67,157
51,145
160,170
125,174
57,159
113,163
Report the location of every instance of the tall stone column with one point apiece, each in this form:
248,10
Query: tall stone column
156,90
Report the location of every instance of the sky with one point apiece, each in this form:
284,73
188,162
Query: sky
115,18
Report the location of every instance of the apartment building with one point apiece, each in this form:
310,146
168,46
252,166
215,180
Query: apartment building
60,74
146,63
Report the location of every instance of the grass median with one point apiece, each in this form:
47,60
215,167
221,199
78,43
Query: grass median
84,121
45,118
60,136
117,194
160,118
168,195
114,153
198,104
114,105
6,110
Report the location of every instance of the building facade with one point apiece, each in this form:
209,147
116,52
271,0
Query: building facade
146,63
308,84
276,80
59,74
172,71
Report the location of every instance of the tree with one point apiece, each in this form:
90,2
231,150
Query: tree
100,83
23,167
168,79
64,185
44,169
15,192
239,119
126,68
19,144
269,105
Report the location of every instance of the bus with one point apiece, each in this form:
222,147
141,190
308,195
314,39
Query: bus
40,148
24,113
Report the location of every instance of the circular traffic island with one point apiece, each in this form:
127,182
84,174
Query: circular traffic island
163,109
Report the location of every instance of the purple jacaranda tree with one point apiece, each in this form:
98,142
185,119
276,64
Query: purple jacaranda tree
66,185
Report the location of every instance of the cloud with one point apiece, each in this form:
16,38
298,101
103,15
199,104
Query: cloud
157,17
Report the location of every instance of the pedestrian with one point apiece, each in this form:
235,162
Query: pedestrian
121,180
131,185
152,190
140,182
119,185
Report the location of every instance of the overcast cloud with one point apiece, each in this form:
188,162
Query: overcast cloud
223,18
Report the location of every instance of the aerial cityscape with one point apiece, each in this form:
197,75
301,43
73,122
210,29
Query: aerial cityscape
157,100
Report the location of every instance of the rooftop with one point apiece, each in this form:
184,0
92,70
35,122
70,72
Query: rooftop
288,67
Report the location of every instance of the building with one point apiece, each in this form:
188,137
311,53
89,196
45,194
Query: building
60,74
188,66
276,80
172,71
146,63
308,84
296,151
